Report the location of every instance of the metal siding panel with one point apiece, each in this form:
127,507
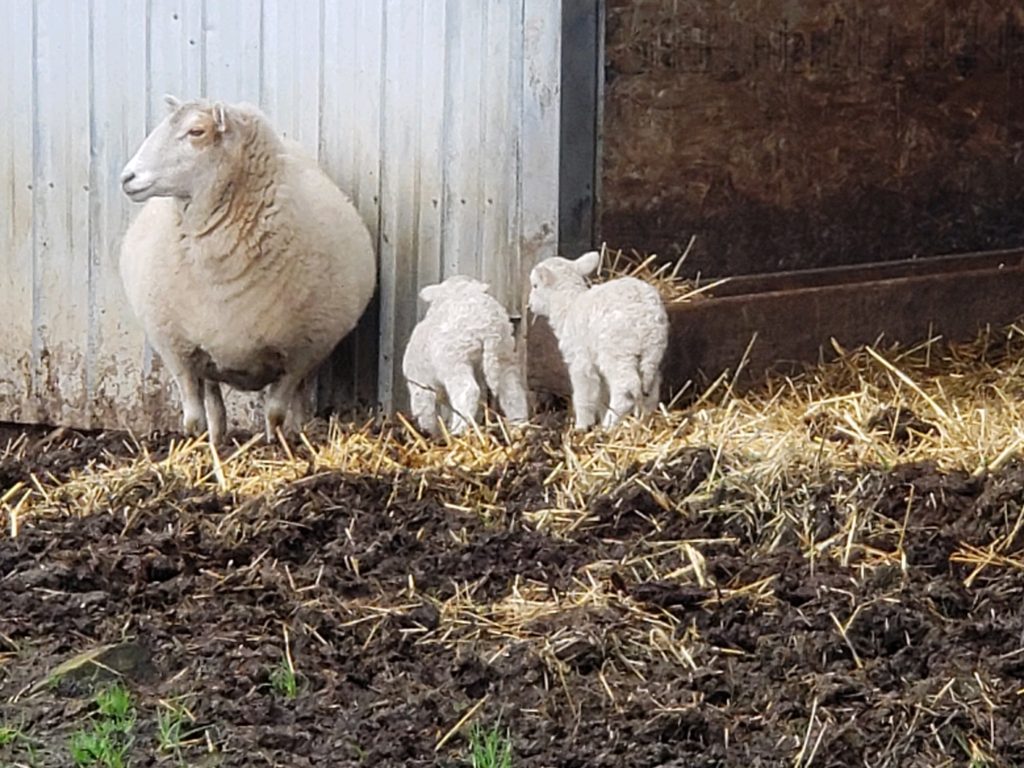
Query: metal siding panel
61,190
337,382
514,297
352,47
430,165
340,105
175,54
398,193
368,77
463,151
16,149
499,172
291,78
231,49
539,154
117,127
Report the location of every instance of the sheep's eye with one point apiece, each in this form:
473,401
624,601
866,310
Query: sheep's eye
197,132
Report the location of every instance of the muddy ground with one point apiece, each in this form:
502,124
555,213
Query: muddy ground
777,659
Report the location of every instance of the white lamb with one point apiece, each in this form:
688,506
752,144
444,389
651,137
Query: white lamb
246,266
466,332
616,332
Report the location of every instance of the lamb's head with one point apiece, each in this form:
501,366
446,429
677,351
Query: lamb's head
188,150
557,278
452,288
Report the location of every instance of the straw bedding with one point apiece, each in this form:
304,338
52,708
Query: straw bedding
826,570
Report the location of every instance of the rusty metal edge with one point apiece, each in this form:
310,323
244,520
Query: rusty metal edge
784,322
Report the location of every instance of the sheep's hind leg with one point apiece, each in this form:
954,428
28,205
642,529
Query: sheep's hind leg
423,404
625,391
280,398
653,396
302,405
586,393
501,372
190,387
464,396
216,414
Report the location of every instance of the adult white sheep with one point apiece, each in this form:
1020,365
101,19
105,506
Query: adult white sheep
613,334
247,264
465,333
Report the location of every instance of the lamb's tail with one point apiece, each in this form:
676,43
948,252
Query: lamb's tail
503,377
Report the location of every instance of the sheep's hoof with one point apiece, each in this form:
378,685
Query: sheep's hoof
194,425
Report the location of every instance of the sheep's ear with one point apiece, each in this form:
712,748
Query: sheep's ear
430,293
220,116
587,263
172,102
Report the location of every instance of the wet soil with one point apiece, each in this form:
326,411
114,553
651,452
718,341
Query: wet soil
771,659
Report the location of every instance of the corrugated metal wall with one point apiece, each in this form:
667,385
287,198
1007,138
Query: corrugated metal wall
439,117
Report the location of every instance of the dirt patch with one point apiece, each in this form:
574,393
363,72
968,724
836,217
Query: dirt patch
662,628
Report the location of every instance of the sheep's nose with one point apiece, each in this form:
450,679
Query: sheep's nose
127,176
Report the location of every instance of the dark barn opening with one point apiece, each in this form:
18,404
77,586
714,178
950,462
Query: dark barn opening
801,134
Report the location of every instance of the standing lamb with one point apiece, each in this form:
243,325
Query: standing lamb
465,332
616,331
246,266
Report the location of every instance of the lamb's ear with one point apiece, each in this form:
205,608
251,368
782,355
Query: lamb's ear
430,293
544,275
587,263
220,116
172,102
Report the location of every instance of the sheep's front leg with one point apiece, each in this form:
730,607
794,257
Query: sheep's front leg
216,414
586,393
194,420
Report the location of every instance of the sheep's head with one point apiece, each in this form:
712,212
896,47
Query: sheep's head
556,276
186,151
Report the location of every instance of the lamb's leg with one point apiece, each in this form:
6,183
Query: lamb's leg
512,396
423,404
501,372
625,390
216,414
650,375
586,393
653,394
464,396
